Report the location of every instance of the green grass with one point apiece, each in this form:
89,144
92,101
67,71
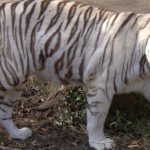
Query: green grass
129,123
136,119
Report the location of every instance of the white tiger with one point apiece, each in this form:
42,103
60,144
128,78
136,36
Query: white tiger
71,43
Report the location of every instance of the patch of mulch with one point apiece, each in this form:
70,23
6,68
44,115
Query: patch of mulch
48,134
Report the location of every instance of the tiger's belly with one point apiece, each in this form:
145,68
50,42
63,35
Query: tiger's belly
59,74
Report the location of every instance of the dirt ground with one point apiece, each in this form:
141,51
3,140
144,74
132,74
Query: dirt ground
49,134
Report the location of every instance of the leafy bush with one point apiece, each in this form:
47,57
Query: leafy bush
71,111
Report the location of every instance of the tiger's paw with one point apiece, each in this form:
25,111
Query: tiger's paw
21,134
106,144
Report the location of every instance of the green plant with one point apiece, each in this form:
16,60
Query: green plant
71,111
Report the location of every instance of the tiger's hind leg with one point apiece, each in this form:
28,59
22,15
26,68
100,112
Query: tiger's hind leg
98,106
6,108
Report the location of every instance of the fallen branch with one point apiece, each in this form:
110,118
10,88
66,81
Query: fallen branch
53,99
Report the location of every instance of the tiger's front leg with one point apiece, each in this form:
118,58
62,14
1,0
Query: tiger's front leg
98,106
6,108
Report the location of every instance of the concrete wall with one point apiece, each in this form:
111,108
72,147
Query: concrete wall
141,6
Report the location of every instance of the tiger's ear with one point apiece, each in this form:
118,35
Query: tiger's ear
147,51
